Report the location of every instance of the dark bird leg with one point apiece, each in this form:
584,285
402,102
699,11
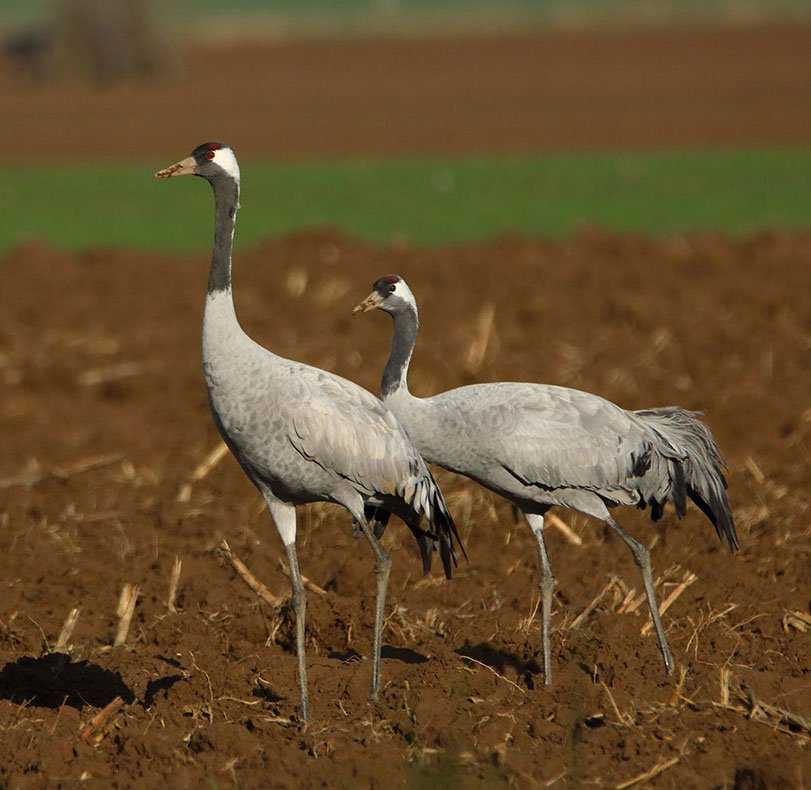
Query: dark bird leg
642,558
285,517
382,569
547,586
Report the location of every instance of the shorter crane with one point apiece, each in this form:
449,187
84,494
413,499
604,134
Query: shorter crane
539,446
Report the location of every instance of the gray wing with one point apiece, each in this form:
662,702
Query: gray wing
348,431
351,433
555,437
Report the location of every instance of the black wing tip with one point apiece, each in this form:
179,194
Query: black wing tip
448,556
720,515
703,479
453,535
728,527
426,550
443,521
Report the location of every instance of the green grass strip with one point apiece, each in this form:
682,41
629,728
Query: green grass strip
420,200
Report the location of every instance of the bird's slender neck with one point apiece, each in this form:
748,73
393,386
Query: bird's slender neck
226,203
395,376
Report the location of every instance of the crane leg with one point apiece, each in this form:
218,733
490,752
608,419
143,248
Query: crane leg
547,586
378,519
284,515
382,569
299,602
642,559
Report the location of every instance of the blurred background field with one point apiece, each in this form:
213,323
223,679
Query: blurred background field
205,17
658,117
416,200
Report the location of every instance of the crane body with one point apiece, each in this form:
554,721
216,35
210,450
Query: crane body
542,446
302,434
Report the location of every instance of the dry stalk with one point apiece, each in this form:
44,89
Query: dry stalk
205,674
785,720
624,718
754,470
126,609
799,621
677,691
670,600
266,595
773,716
201,470
86,465
626,602
635,603
555,779
184,493
477,350
62,472
430,622
723,681
282,722
583,616
526,623
564,529
461,504
95,730
209,462
122,370
497,674
296,281
58,717
649,774
67,631
432,581
174,580
714,616
309,585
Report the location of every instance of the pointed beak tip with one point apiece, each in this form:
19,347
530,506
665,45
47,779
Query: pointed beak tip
185,167
369,303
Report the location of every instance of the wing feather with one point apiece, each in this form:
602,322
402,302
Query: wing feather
348,431
555,437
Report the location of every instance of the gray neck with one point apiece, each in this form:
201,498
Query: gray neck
395,376
226,203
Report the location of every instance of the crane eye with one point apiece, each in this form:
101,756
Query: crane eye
210,154
392,289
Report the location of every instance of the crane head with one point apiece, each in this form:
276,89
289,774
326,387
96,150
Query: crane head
390,293
209,160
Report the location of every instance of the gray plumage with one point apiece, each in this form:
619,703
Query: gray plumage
542,446
302,434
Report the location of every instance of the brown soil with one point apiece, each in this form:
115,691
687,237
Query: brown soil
100,357
736,86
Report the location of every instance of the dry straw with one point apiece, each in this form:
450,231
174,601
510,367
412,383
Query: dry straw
126,609
242,571
174,581
67,631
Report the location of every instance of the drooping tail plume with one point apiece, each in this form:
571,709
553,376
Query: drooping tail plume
447,533
440,533
700,471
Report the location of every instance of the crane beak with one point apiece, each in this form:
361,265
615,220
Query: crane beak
185,167
373,300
